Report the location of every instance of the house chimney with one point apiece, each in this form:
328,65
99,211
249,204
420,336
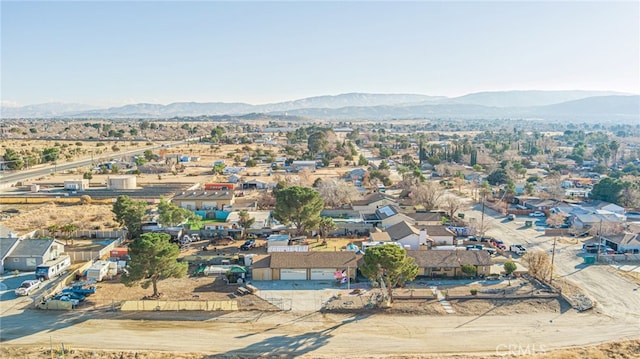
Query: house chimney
423,236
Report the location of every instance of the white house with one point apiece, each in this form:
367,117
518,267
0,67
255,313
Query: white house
407,235
440,235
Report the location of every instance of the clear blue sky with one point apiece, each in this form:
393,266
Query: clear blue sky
112,53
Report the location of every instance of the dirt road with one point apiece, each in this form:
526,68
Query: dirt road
311,334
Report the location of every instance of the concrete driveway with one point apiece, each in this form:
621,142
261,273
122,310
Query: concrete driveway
301,296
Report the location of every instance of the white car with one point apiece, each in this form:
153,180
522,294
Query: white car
27,287
537,214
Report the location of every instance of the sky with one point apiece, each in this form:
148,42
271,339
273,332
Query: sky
122,52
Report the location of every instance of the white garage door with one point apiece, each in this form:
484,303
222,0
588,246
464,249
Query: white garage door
322,274
293,274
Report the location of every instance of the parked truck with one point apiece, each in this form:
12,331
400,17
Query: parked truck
518,249
98,271
53,268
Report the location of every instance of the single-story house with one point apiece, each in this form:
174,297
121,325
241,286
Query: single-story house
195,201
595,220
604,206
448,263
297,166
440,235
27,254
625,242
407,235
262,219
7,245
79,185
254,184
355,174
426,218
386,217
305,265
372,202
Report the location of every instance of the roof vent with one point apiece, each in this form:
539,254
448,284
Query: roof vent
205,192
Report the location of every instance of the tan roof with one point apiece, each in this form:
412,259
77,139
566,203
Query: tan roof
435,259
449,258
370,199
261,262
439,231
379,237
425,217
314,260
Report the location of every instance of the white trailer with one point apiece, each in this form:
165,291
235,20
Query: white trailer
98,271
53,268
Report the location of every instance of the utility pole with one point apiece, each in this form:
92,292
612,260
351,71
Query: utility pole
553,255
599,242
482,220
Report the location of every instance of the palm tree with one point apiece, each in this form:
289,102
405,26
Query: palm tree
67,229
53,230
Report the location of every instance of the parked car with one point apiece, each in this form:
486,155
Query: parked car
27,287
498,243
511,217
248,244
472,239
537,214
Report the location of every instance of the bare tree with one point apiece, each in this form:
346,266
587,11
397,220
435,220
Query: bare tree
554,188
427,194
539,264
451,204
556,219
335,193
266,200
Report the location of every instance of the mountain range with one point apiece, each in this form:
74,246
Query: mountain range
503,104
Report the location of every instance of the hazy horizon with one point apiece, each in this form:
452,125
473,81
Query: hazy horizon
112,54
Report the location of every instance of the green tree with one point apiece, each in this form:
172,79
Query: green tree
50,154
245,221
53,230
469,270
362,161
87,175
607,189
67,229
129,213
298,205
325,226
153,258
148,155
390,265
171,215
509,268
13,159
498,177
317,142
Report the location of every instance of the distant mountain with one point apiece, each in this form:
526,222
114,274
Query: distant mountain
505,104
43,110
526,98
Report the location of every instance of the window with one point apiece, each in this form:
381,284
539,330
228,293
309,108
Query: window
15,260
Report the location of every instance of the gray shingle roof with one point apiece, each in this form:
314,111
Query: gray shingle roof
401,230
6,244
314,260
32,247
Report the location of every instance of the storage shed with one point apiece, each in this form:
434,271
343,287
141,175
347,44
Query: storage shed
80,184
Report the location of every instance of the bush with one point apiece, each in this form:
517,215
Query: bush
474,291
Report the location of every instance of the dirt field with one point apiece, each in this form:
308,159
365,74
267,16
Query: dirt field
618,350
31,217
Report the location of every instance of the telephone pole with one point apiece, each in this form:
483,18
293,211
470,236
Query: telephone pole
553,255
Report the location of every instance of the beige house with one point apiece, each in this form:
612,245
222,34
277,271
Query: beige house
426,218
440,235
195,201
372,202
304,265
448,263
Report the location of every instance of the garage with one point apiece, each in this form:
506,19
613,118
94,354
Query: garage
322,274
293,274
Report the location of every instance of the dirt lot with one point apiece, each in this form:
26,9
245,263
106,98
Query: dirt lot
190,288
38,216
618,350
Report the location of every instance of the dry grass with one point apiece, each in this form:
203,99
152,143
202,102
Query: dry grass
616,350
32,217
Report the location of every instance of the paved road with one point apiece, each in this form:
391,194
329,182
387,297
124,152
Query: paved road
616,296
42,170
